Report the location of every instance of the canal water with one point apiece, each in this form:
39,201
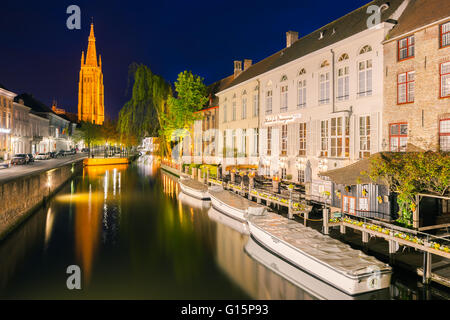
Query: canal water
134,236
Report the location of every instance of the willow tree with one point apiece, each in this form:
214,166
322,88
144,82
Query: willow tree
191,96
139,117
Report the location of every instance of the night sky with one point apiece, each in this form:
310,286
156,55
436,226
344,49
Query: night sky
39,55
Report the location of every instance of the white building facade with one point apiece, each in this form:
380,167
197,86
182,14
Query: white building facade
320,100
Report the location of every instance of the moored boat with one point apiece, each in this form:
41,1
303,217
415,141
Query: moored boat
303,280
194,188
193,202
328,259
232,204
234,224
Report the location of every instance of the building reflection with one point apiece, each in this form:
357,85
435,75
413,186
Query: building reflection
97,213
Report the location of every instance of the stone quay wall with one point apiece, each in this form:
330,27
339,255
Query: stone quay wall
20,197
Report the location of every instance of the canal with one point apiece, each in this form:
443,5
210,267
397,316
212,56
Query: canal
134,236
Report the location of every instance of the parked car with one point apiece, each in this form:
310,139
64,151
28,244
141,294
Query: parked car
61,153
86,150
19,158
4,164
42,156
30,158
52,154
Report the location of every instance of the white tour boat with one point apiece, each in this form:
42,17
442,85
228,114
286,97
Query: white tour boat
328,259
232,204
234,224
194,188
304,280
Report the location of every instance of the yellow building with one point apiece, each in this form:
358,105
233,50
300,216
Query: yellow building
90,89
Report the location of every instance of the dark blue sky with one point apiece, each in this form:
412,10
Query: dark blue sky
39,55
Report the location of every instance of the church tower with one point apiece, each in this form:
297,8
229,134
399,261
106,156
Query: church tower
90,88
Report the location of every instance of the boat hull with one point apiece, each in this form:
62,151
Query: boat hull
200,195
228,210
350,285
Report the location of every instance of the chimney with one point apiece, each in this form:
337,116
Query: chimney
291,37
237,67
247,64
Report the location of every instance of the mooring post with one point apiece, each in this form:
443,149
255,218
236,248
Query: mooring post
290,213
393,247
207,176
325,219
193,172
426,267
342,228
305,218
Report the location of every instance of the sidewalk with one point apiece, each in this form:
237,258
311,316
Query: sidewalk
36,166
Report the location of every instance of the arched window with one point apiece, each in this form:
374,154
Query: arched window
283,78
244,92
324,64
343,57
269,83
365,49
301,72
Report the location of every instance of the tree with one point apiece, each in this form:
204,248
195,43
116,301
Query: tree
90,133
410,173
181,112
139,117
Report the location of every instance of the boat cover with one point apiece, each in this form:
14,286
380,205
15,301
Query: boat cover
194,184
329,251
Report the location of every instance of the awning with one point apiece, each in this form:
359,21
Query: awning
351,174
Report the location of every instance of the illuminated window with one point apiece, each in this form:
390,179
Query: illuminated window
284,98
444,135
365,78
324,138
324,84
269,102
444,72
284,138
269,141
365,49
301,87
398,137
405,48
364,137
343,84
343,57
445,34
405,87
302,139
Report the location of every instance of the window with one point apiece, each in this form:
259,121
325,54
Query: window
233,143
324,138
405,48
324,64
244,142
284,133
269,102
255,104
444,72
225,112
233,116
269,141
444,135
324,96
301,175
302,139
302,72
348,204
365,49
283,173
398,137
339,137
343,57
364,137
255,141
301,87
405,87
343,84
244,107
365,78
445,34
364,204
284,98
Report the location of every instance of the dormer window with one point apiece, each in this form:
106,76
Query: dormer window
343,57
365,49
324,64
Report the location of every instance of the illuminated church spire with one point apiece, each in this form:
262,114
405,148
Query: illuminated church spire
90,88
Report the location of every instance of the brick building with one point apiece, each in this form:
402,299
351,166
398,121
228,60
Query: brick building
416,113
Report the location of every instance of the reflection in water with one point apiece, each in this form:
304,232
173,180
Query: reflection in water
135,236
